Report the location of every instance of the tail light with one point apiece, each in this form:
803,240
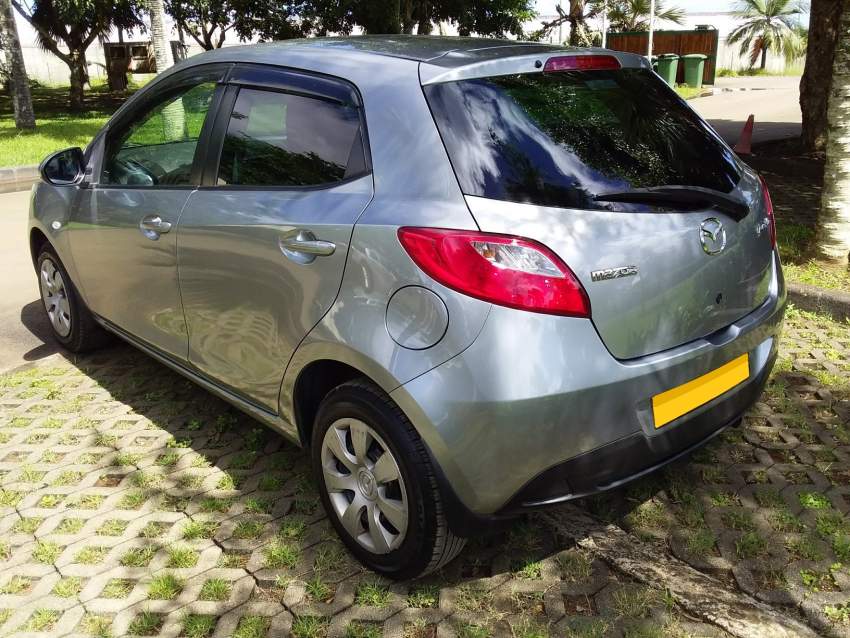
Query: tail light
582,63
508,271
768,206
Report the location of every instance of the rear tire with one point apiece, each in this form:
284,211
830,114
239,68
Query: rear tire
378,485
72,323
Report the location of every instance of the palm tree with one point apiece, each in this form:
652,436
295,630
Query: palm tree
174,118
633,15
18,81
769,25
834,224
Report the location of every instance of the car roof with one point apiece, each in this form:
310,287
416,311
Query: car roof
421,48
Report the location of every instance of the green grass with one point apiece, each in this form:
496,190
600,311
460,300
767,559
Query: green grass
46,552
145,624
815,273
688,92
308,627
165,587
91,555
182,557
279,554
215,589
41,620
372,595
56,127
68,587
198,626
138,556
19,148
255,627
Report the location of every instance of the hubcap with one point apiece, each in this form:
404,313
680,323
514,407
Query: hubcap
365,486
55,298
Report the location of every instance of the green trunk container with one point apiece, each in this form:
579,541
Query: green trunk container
694,67
668,66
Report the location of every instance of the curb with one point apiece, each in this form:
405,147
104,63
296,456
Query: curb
18,178
814,299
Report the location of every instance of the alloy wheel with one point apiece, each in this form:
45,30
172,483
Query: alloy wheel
365,486
54,294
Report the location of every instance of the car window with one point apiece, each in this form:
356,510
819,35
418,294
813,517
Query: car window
281,139
563,138
158,148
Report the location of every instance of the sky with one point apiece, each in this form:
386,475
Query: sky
548,6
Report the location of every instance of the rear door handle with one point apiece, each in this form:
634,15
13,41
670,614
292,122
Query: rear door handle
301,246
152,226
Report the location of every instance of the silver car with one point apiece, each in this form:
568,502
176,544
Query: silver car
473,276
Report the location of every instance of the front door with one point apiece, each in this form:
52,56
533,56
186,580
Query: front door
123,233
262,246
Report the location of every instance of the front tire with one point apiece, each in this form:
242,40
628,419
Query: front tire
72,324
377,483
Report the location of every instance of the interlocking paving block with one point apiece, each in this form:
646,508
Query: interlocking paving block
115,472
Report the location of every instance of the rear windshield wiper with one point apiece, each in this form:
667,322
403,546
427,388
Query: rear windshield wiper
687,195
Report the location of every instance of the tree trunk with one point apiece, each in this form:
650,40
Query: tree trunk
834,223
763,57
19,84
173,114
79,76
817,76
159,38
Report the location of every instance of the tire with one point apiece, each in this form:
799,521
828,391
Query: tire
423,542
72,323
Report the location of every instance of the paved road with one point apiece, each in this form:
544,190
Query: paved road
775,102
24,331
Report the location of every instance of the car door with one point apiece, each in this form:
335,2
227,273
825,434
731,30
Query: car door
122,233
262,244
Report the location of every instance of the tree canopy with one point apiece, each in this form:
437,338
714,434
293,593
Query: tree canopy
768,25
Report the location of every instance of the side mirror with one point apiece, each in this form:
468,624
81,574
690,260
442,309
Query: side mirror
64,167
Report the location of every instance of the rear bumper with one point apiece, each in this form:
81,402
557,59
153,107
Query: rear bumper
630,458
536,411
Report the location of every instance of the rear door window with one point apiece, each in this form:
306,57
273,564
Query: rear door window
281,139
560,139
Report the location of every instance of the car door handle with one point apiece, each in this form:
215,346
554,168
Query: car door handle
303,247
152,226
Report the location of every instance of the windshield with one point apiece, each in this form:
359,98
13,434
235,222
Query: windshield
561,139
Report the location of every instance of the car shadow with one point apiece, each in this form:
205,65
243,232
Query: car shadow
35,320
262,475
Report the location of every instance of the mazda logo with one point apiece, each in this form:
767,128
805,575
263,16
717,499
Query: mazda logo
712,236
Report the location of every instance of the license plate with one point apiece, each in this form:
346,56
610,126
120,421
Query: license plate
670,405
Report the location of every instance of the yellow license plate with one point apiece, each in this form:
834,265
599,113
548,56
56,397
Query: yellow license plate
670,405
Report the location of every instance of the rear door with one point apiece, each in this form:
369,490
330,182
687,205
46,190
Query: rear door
567,158
262,244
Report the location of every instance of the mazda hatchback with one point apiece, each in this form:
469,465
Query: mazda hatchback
473,277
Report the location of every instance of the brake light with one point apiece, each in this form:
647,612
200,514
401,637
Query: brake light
582,63
508,271
768,205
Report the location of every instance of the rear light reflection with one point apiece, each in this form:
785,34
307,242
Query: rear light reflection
502,269
768,205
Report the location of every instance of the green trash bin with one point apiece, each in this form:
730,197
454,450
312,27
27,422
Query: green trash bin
694,67
668,66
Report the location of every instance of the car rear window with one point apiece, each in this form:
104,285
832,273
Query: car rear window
559,139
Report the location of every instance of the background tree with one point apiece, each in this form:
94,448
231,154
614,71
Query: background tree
15,69
633,15
275,20
76,24
817,75
834,222
768,25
